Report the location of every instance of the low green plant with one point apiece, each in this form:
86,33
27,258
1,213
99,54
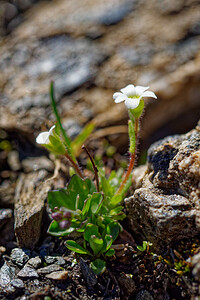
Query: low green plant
84,208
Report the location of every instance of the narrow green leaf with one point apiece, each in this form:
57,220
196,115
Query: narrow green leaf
98,266
108,240
116,199
66,138
73,246
80,139
96,202
55,230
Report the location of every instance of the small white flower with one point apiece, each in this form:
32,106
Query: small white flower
43,137
132,95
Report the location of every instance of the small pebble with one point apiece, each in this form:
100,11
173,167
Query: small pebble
17,283
27,272
60,275
34,262
55,259
49,269
19,256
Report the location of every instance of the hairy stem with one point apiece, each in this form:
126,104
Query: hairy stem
132,160
74,165
93,165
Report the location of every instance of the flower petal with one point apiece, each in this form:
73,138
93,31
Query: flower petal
115,95
132,103
129,90
149,94
51,129
43,138
140,89
120,98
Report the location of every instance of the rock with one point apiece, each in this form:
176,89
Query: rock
127,284
60,275
27,272
37,163
19,256
34,262
55,259
196,266
31,192
167,200
49,269
5,216
17,283
88,274
144,295
7,273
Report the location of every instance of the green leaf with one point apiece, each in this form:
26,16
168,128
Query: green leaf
96,244
86,206
108,240
60,198
80,139
98,266
57,145
55,230
96,202
116,199
66,138
108,190
73,246
110,252
113,229
90,230
140,248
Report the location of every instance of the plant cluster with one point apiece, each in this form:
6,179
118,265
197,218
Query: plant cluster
85,209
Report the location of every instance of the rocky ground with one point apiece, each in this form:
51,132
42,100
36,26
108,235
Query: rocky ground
91,49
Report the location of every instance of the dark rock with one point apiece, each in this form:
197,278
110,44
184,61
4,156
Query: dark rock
19,256
49,269
166,200
27,272
144,295
59,275
127,284
17,283
88,274
196,266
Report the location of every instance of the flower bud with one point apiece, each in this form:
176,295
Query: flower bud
67,215
64,224
57,216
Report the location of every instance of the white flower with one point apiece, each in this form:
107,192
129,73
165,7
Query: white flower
43,137
132,95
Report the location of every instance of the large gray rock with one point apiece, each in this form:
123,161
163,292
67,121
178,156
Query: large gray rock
165,206
30,196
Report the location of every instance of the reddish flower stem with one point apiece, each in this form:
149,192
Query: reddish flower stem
132,160
74,165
